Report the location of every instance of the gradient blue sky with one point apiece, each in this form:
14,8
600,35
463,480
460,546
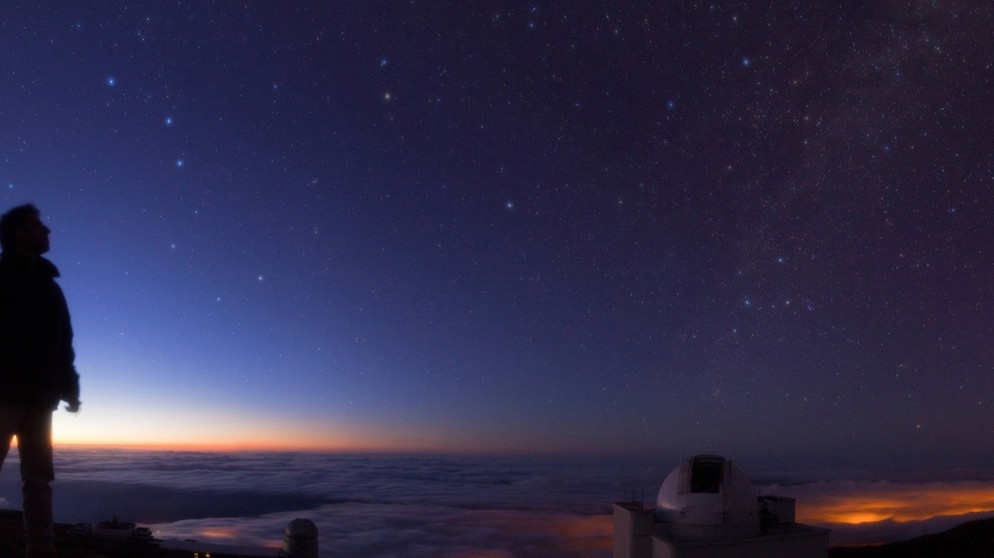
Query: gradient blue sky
525,227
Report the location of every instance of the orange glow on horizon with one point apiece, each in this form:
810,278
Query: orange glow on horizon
225,447
900,503
325,446
591,532
570,532
346,440
216,533
308,438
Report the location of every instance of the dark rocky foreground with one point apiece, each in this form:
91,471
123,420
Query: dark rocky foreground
974,539
70,546
969,540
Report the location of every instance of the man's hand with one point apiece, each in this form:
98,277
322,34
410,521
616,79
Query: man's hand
73,406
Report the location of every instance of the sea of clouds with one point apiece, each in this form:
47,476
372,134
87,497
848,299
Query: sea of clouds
374,505
444,506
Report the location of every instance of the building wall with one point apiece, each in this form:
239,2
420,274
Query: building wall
813,544
634,537
633,527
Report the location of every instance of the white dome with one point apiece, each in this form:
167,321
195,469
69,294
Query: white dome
708,498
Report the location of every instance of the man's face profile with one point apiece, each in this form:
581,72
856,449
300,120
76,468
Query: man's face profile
32,236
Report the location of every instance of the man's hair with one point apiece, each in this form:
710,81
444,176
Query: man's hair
12,220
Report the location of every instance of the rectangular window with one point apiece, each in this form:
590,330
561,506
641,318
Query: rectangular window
705,477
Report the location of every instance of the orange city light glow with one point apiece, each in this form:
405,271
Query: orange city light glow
900,503
583,533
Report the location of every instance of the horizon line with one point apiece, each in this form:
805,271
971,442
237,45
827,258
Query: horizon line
235,447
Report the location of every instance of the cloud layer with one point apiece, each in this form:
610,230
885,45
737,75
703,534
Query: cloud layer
451,507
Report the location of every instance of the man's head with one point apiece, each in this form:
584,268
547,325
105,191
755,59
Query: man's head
22,231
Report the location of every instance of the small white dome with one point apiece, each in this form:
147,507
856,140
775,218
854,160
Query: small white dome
301,529
301,540
708,498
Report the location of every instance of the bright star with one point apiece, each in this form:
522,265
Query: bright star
169,121
111,82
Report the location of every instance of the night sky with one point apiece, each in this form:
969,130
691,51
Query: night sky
619,227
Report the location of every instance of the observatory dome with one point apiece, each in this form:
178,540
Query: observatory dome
301,539
301,529
708,498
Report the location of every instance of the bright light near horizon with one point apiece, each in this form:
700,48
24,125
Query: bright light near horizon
865,503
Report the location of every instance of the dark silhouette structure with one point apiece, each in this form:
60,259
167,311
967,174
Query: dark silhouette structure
36,365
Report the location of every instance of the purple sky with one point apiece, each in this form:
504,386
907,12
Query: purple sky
556,226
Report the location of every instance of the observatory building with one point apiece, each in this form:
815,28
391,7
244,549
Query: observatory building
707,507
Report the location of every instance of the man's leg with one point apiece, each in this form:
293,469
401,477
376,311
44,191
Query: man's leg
34,444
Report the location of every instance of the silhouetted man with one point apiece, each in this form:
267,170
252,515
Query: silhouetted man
36,365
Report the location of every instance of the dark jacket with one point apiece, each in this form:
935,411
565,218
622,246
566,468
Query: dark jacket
36,354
